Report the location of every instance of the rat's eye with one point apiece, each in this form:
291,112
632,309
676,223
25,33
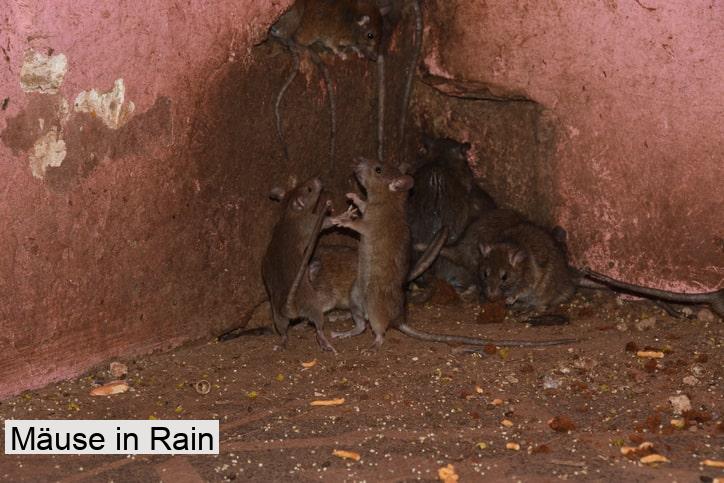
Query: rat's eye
504,276
370,35
309,189
486,273
378,170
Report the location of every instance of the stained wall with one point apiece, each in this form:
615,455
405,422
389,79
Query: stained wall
604,117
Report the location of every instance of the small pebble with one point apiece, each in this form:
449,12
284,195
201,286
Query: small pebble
706,315
585,363
646,324
551,382
691,381
680,404
118,370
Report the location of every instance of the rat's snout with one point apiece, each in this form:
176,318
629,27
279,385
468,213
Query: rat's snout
493,294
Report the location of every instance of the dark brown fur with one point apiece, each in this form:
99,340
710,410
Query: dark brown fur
512,259
331,274
525,267
285,261
446,194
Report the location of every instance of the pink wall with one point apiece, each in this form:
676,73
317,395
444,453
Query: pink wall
124,230
126,246
635,92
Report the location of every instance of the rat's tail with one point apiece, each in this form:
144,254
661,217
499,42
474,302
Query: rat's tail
714,299
430,255
459,339
239,331
280,96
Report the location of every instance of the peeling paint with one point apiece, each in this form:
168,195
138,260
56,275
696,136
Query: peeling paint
49,150
109,106
43,73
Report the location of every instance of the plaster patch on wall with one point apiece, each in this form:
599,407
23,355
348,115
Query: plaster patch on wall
43,73
109,106
48,150
434,64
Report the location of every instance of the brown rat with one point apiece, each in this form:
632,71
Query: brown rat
525,267
312,26
287,256
458,262
331,273
446,194
341,26
377,293
512,259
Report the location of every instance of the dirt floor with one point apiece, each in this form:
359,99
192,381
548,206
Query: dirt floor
563,413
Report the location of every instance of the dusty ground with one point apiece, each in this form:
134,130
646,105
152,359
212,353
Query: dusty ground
416,407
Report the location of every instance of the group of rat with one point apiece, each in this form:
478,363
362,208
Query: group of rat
437,217
438,211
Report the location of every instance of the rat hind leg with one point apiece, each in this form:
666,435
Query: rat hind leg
281,327
316,317
357,312
379,321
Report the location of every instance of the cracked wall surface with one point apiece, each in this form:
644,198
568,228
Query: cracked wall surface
137,148
621,142
115,241
134,188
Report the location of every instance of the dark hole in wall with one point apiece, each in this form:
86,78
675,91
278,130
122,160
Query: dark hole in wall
513,141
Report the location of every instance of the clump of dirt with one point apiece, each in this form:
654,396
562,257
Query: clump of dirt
416,410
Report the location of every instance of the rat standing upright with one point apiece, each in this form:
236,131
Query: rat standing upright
287,256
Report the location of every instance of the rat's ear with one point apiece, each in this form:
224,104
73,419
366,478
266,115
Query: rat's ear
516,257
385,9
363,20
402,183
464,148
277,194
405,168
313,270
485,249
